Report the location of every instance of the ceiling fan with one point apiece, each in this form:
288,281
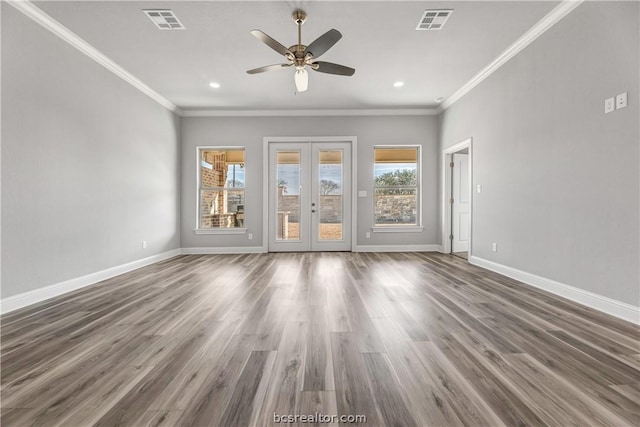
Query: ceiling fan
301,56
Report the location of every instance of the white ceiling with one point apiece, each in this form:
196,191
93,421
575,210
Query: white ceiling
379,41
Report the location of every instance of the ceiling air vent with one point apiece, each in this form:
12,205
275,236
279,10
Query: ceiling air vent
434,19
164,19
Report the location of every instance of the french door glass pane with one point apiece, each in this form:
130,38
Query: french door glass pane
330,200
288,202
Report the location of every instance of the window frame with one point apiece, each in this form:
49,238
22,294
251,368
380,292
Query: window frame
400,228
217,230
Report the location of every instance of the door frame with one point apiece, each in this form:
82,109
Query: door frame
351,140
447,156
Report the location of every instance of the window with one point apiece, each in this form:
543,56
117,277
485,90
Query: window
221,181
396,178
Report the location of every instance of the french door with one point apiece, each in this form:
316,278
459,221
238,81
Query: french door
309,196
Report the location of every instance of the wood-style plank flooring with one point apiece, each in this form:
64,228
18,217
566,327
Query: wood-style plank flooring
463,255
405,339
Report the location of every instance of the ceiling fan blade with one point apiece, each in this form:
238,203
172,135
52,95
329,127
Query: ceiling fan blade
271,42
324,43
331,68
302,80
268,68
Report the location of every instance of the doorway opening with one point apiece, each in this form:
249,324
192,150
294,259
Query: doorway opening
458,198
309,194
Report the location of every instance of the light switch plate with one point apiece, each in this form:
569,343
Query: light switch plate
362,193
621,101
609,105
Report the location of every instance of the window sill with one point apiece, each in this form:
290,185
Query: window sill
397,229
220,231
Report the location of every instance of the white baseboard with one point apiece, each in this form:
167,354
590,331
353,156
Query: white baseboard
607,305
38,295
216,251
35,296
357,248
397,248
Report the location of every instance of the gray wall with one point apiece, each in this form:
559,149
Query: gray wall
250,131
560,180
90,165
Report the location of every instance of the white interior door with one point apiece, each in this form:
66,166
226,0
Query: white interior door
461,198
309,196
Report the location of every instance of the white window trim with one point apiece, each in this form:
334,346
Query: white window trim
397,229
393,228
221,230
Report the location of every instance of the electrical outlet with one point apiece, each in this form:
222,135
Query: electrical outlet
250,236
368,235
479,188
144,244
609,105
621,101
494,247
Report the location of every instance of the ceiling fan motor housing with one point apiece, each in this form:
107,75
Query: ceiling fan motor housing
299,50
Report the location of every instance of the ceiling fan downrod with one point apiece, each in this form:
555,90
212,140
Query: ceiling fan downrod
299,17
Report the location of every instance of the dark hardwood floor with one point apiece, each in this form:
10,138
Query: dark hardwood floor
405,339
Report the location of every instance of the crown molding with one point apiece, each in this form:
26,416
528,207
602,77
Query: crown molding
46,21
548,21
42,18
314,113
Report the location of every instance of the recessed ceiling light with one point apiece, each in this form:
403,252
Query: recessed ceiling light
398,84
214,85
439,99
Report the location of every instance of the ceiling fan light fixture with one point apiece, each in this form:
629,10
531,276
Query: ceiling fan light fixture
214,85
398,84
302,56
302,79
